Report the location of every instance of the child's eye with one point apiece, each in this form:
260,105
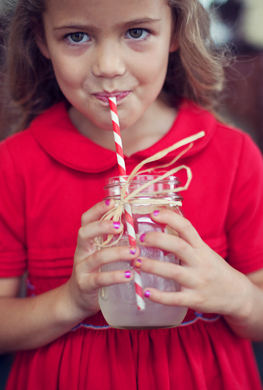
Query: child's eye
77,37
137,33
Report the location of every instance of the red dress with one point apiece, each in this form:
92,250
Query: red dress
50,174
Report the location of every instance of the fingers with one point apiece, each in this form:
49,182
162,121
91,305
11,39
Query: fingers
104,279
170,271
88,233
165,269
167,298
86,272
182,275
180,224
92,227
170,243
96,212
185,243
98,228
93,262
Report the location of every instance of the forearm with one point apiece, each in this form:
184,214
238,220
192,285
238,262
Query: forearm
28,323
247,320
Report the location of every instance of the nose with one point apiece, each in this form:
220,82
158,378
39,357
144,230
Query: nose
108,61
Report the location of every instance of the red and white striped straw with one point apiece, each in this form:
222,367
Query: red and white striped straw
127,207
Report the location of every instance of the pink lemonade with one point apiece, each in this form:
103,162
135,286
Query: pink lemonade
118,302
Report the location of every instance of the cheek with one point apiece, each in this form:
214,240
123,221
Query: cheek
153,73
66,73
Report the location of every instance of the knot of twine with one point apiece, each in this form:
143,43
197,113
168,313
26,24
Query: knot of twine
115,214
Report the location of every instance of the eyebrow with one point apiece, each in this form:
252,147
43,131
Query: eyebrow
127,24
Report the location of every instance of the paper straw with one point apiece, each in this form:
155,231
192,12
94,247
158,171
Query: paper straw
127,207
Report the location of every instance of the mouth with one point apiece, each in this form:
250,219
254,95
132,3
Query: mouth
104,96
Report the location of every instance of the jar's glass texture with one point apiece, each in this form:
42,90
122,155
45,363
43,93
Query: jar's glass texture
118,302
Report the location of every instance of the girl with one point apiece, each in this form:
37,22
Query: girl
65,58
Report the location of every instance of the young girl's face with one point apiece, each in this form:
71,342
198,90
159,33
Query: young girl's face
102,48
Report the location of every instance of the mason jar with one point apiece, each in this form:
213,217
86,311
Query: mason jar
118,302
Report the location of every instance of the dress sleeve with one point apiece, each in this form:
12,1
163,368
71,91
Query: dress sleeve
13,255
245,219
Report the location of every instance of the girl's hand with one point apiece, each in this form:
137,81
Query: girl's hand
207,282
86,279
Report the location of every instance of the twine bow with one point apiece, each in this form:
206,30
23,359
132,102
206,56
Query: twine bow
115,214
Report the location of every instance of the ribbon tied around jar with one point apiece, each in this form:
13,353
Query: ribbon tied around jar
116,212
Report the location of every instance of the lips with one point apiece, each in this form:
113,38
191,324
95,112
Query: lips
104,96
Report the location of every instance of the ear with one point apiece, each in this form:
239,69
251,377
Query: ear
174,44
42,46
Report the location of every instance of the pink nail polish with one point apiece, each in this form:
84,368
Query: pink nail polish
137,263
156,212
132,251
142,238
116,225
147,293
107,202
127,274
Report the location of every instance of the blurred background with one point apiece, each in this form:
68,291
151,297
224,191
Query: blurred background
239,25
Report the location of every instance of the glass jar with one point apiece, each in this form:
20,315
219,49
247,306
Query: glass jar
118,302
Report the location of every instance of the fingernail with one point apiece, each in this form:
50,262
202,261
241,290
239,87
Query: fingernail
138,263
132,250
127,274
107,202
116,225
147,293
156,212
142,237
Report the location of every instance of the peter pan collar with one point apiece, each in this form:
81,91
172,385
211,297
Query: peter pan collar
57,135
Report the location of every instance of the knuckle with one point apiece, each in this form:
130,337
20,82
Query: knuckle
83,218
103,225
81,233
98,259
182,245
199,300
79,280
115,277
97,279
178,300
121,253
104,256
174,272
99,208
81,284
186,224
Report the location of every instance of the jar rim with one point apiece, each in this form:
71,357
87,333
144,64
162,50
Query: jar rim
163,189
141,179
144,197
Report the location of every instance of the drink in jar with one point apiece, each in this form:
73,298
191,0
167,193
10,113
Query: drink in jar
118,302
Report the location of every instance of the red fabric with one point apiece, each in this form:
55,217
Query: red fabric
50,175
